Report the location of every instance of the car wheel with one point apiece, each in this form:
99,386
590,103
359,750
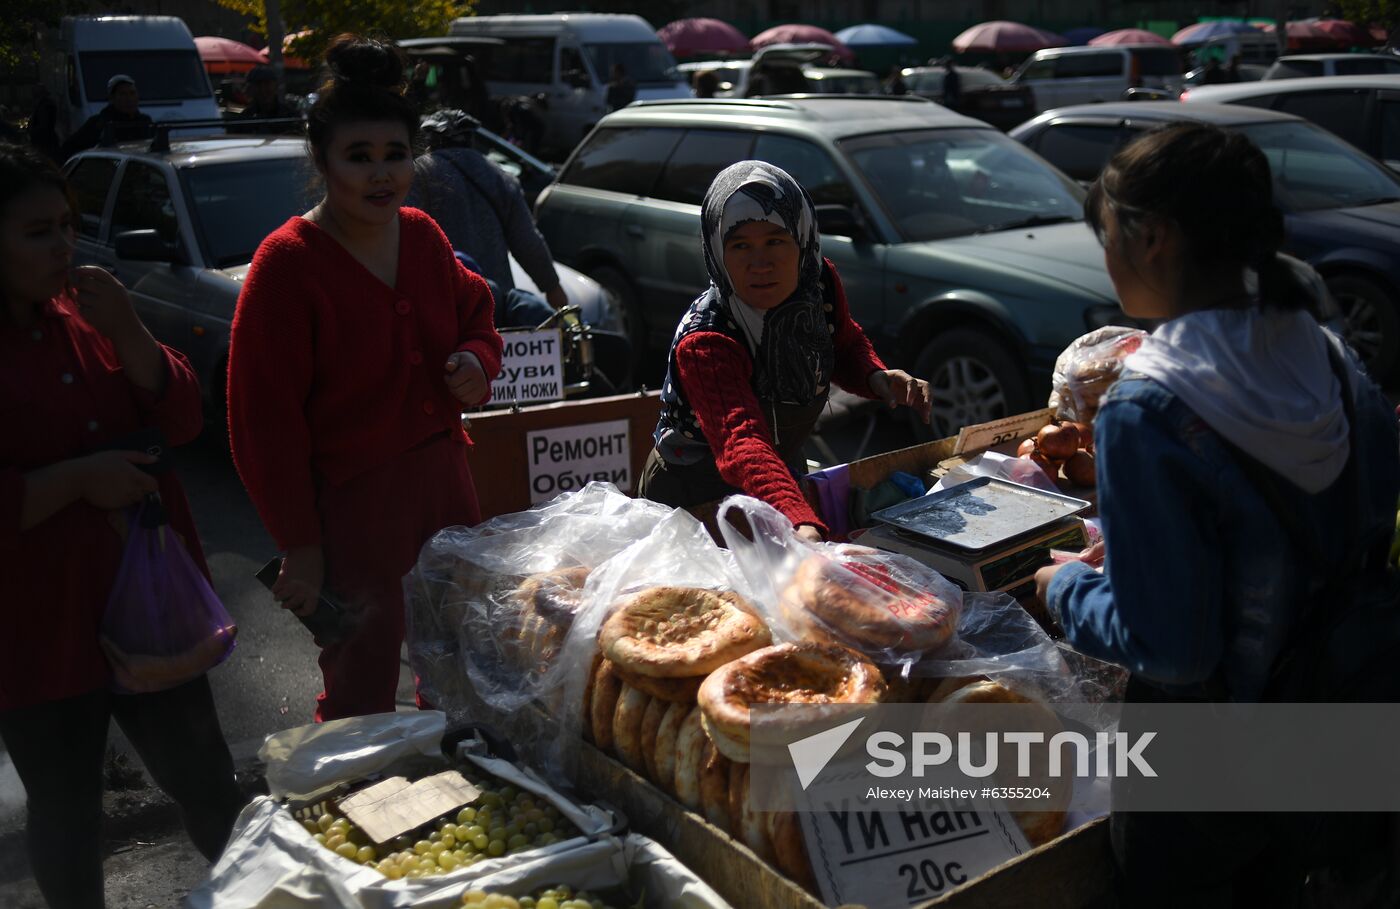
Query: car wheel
633,324
1372,321
973,378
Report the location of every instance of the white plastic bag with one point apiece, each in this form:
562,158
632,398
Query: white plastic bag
1086,369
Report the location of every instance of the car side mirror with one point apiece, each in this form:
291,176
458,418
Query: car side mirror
145,246
577,78
841,221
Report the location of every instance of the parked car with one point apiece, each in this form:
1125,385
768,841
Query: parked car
1059,76
833,81
985,94
1341,208
158,52
1305,66
1253,49
778,69
1245,72
1364,110
568,58
964,255
179,228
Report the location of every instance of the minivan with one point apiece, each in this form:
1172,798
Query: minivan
568,58
1060,76
156,51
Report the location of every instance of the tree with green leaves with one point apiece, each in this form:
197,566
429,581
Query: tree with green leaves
1385,13
22,22
316,22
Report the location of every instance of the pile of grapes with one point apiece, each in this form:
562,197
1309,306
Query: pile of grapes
503,821
560,897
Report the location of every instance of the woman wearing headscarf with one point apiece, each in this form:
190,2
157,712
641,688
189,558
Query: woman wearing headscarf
754,357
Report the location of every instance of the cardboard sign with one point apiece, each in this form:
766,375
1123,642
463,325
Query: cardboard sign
571,457
532,370
1008,429
903,858
395,806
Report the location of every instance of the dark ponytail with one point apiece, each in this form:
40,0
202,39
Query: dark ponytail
365,82
1216,186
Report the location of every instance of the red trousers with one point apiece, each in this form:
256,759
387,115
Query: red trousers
372,529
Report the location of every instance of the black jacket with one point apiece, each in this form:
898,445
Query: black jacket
124,128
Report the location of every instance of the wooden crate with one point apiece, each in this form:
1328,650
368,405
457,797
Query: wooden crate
1072,872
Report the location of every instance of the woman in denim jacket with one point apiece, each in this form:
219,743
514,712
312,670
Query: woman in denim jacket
1200,583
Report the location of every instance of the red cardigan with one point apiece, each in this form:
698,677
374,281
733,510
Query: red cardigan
717,375
64,394
332,372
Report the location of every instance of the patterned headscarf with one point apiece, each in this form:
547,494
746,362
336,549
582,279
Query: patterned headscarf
794,353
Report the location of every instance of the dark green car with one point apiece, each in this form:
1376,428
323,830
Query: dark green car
964,255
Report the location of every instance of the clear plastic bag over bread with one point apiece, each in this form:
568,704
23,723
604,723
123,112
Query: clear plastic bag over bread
887,606
488,606
1088,367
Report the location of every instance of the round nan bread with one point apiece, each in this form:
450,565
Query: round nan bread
680,632
737,774
783,674
651,723
714,786
690,747
867,607
607,687
676,691
627,727
586,704
665,753
557,595
789,848
753,825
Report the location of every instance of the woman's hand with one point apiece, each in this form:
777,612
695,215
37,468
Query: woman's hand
556,297
809,533
110,479
298,584
1093,556
466,379
105,305
895,387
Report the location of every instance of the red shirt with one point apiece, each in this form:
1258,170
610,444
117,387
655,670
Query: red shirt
64,394
332,372
717,374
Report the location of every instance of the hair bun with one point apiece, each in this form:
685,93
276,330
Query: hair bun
357,62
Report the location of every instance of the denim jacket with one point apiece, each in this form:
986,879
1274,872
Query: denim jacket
1199,574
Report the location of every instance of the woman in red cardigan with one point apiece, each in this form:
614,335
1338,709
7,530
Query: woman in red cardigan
753,359
357,341
78,374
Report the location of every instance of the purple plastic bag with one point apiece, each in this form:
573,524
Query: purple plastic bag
163,624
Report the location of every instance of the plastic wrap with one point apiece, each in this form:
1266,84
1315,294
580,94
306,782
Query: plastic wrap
889,607
1086,369
1003,467
489,606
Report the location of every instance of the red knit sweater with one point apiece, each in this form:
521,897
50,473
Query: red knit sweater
332,372
717,375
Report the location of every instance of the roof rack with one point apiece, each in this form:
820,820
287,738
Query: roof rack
702,102
160,129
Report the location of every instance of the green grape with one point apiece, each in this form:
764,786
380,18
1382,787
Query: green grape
466,815
364,855
497,847
422,847
347,850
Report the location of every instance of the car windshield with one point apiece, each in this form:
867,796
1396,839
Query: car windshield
646,62
160,75
942,183
1314,170
237,205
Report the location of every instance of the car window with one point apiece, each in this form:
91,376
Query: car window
1367,66
1039,69
1295,69
237,205
1390,132
144,203
931,82
161,75
571,61
695,161
1080,66
646,62
622,160
1079,150
1341,112
1314,170
941,183
528,60
91,179
974,76
809,165
1158,61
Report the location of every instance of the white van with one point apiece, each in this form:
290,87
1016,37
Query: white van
1063,76
568,57
156,51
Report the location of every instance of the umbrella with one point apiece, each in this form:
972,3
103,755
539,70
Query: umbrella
1305,36
1346,34
801,34
700,37
1005,38
1129,36
1202,32
224,55
871,35
1083,35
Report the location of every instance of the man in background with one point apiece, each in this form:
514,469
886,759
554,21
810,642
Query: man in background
266,103
122,116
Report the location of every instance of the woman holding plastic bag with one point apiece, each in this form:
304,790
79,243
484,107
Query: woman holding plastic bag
79,373
754,357
1238,398
357,342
